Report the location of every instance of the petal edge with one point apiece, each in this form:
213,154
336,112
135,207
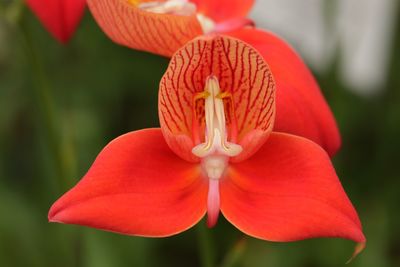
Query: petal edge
301,108
136,186
289,191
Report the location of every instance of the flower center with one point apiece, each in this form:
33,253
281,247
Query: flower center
177,7
207,24
216,145
216,150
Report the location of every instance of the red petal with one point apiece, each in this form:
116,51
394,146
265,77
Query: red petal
130,26
241,72
136,186
221,10
301,108
60,17
288,191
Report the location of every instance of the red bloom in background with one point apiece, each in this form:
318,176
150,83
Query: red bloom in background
59,17
215,151
163,27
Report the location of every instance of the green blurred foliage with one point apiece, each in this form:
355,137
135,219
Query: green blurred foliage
102,90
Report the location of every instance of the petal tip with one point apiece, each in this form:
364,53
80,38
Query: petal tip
213,203
52,220
53,215
212,221
357,250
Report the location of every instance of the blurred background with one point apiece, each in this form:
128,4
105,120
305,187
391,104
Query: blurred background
61,104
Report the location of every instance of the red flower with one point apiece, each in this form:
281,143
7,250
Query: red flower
215,151
163,27
59,17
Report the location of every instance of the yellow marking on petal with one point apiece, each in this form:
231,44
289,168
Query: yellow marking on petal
223,95
203,95
134,2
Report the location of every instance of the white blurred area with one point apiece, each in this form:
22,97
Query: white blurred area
362,30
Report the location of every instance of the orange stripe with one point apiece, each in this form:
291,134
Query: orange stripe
241,71
127,25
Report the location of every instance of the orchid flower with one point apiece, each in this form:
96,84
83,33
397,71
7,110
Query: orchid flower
59,17
216,151
162,27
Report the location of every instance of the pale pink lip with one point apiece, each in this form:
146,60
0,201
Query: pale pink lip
213,203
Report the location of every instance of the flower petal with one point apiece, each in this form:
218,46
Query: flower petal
136,186
59,17
130,26
243,75
288,191
301,108
224,9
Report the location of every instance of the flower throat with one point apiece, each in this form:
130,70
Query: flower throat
216,150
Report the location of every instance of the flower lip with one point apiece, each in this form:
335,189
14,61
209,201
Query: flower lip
246,98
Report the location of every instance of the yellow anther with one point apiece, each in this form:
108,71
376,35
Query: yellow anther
134,2
223,95
203,95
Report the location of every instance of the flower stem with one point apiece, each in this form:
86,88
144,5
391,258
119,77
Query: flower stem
232,258
63,160
12,12
59,147
206,246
